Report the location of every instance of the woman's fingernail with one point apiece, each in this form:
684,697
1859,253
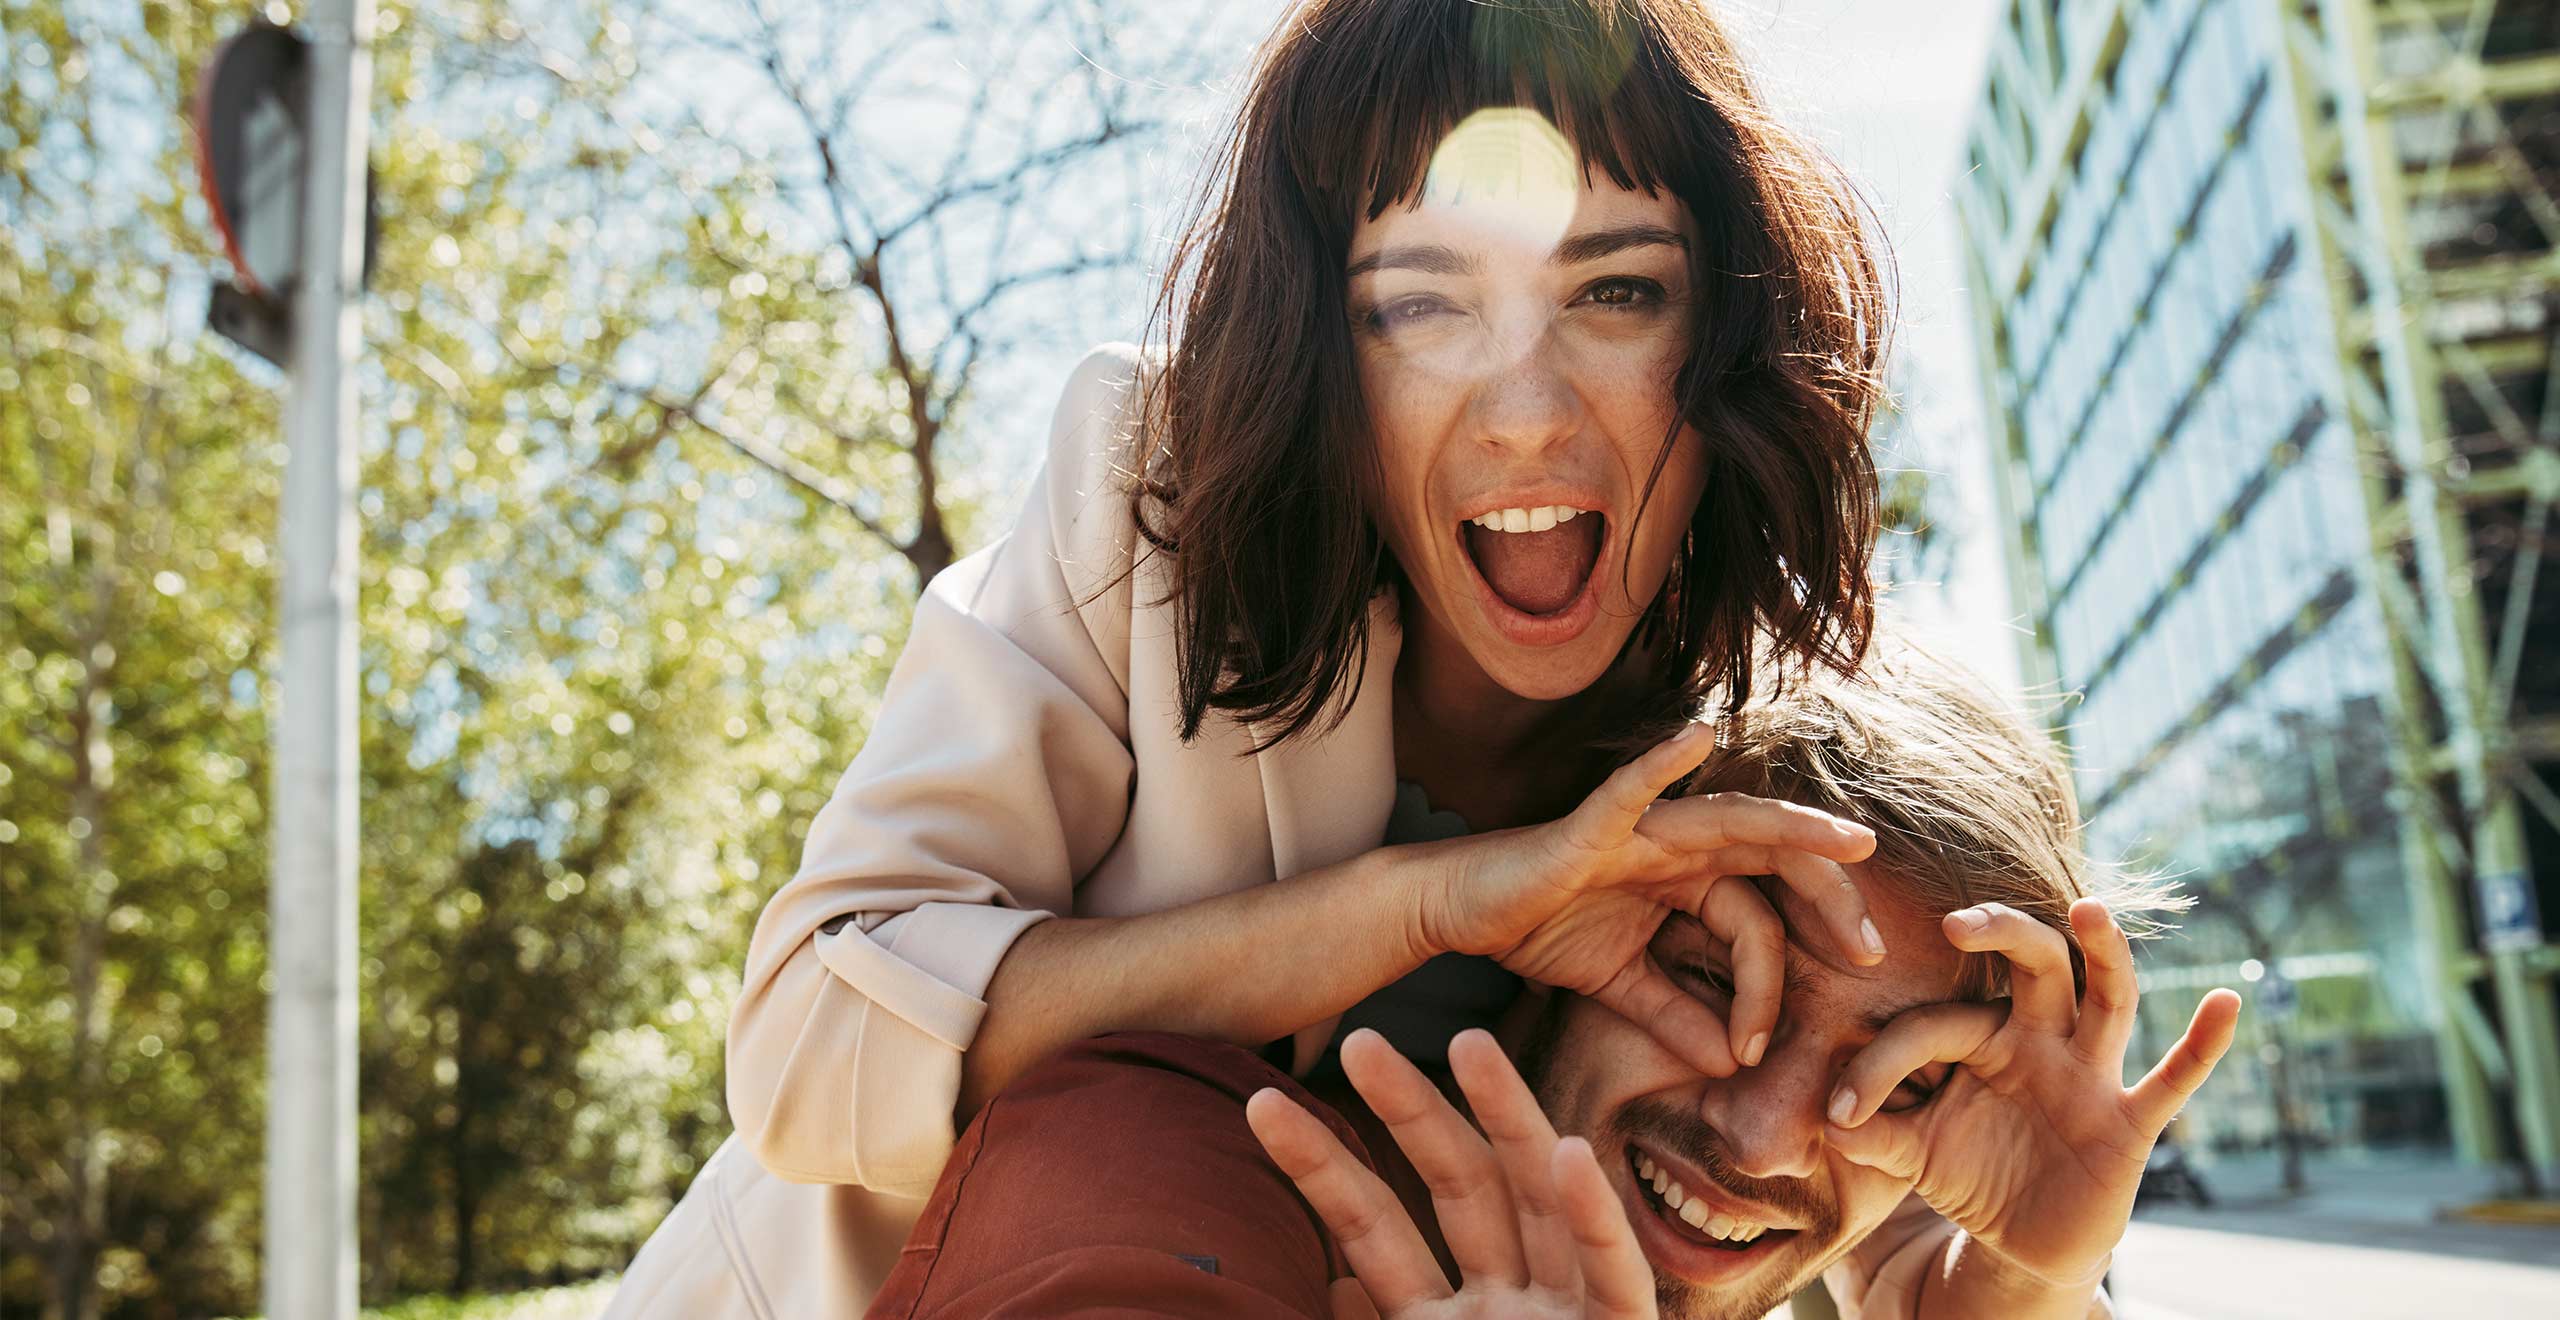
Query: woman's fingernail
1752,1048
1874,938
1971,920
1844,1102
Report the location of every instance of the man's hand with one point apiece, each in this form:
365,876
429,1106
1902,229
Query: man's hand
2032,1146
1529,1218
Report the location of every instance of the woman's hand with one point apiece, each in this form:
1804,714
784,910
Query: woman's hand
1573,903
2032,1146
1530,1219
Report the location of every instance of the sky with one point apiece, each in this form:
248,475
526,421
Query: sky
1888,87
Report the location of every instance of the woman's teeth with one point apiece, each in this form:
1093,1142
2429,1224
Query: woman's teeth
1525,520
1692,1211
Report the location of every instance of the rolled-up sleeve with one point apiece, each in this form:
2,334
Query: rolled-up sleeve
996,775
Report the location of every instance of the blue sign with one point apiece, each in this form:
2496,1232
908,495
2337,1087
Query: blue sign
2509,922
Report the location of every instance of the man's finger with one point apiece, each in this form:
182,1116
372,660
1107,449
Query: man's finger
2039,962
1525,1142
1617,1281
1918,1037
1691,1031
1737,913
1468,1188
2157,1098
2107,1006
1351,1301
1376,1236
1891,1144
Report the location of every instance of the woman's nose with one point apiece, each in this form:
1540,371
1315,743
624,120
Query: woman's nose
1526,402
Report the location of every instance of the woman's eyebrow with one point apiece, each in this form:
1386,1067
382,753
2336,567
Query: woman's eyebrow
1429,258
1600,243
1440,259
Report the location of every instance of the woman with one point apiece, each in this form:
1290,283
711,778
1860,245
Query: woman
1517,387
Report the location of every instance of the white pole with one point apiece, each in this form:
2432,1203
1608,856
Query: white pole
311,1062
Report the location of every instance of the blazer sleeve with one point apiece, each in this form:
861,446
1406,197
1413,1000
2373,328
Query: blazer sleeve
1883,1275
996,775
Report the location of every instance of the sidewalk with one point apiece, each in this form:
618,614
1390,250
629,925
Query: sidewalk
2400,1203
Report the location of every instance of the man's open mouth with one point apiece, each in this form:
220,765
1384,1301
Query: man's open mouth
1537,560
1692,1218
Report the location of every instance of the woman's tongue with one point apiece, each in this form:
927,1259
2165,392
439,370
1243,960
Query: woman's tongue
1537,572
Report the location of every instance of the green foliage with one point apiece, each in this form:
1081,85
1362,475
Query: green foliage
610,667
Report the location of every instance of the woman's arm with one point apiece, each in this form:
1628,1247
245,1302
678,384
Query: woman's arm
1246,968
1570,904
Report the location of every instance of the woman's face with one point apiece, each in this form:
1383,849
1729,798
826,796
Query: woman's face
1517,346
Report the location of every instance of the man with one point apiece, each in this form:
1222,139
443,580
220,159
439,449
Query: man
1946,1133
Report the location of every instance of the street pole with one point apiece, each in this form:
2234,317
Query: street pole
310,1265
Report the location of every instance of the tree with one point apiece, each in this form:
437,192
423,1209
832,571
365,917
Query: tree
2296,799
659,445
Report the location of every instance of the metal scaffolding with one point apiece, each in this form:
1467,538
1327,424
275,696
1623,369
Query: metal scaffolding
2431,136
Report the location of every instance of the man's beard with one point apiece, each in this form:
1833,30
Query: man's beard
1685,1134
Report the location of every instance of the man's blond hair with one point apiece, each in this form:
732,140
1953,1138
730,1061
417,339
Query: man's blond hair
1970,803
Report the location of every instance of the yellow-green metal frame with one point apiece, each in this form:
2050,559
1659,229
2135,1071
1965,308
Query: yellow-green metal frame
2445,655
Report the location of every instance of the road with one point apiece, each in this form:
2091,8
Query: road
2240,1265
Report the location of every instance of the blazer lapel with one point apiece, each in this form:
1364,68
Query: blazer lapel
1328,797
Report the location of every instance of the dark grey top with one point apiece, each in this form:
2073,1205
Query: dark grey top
1421,1011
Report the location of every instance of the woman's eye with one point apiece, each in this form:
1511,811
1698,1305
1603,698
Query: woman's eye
1401,312
1625,291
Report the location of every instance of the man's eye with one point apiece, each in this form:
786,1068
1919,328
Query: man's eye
1709,978
1916,1090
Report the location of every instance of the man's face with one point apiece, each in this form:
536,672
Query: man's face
1749,1147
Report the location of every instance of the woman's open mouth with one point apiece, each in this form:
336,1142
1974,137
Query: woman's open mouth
1537,569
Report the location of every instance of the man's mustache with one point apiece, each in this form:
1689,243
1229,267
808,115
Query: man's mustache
1682,1133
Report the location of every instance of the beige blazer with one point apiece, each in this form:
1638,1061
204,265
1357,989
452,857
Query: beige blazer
1027,761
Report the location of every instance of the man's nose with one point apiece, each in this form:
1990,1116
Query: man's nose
1771,1115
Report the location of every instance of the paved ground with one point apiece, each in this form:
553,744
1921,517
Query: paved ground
2209,1265
2368,1238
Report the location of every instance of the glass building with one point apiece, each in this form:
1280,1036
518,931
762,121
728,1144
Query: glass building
2266,293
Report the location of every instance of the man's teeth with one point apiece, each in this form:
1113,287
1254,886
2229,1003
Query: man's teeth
1525,520
1693,1211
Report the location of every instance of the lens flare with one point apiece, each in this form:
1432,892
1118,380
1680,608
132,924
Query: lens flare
1507,165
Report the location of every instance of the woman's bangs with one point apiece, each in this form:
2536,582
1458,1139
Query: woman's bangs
1601,80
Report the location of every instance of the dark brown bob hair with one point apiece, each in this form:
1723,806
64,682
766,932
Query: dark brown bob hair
1257,456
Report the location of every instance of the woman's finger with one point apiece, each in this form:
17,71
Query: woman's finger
1709,821
2107,1007
1468,1188
2157,1098
1385,1250
1616,1280
1918,1037
1739,915
2039,963
1614,809
1838,901
1643,995
1525,1142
